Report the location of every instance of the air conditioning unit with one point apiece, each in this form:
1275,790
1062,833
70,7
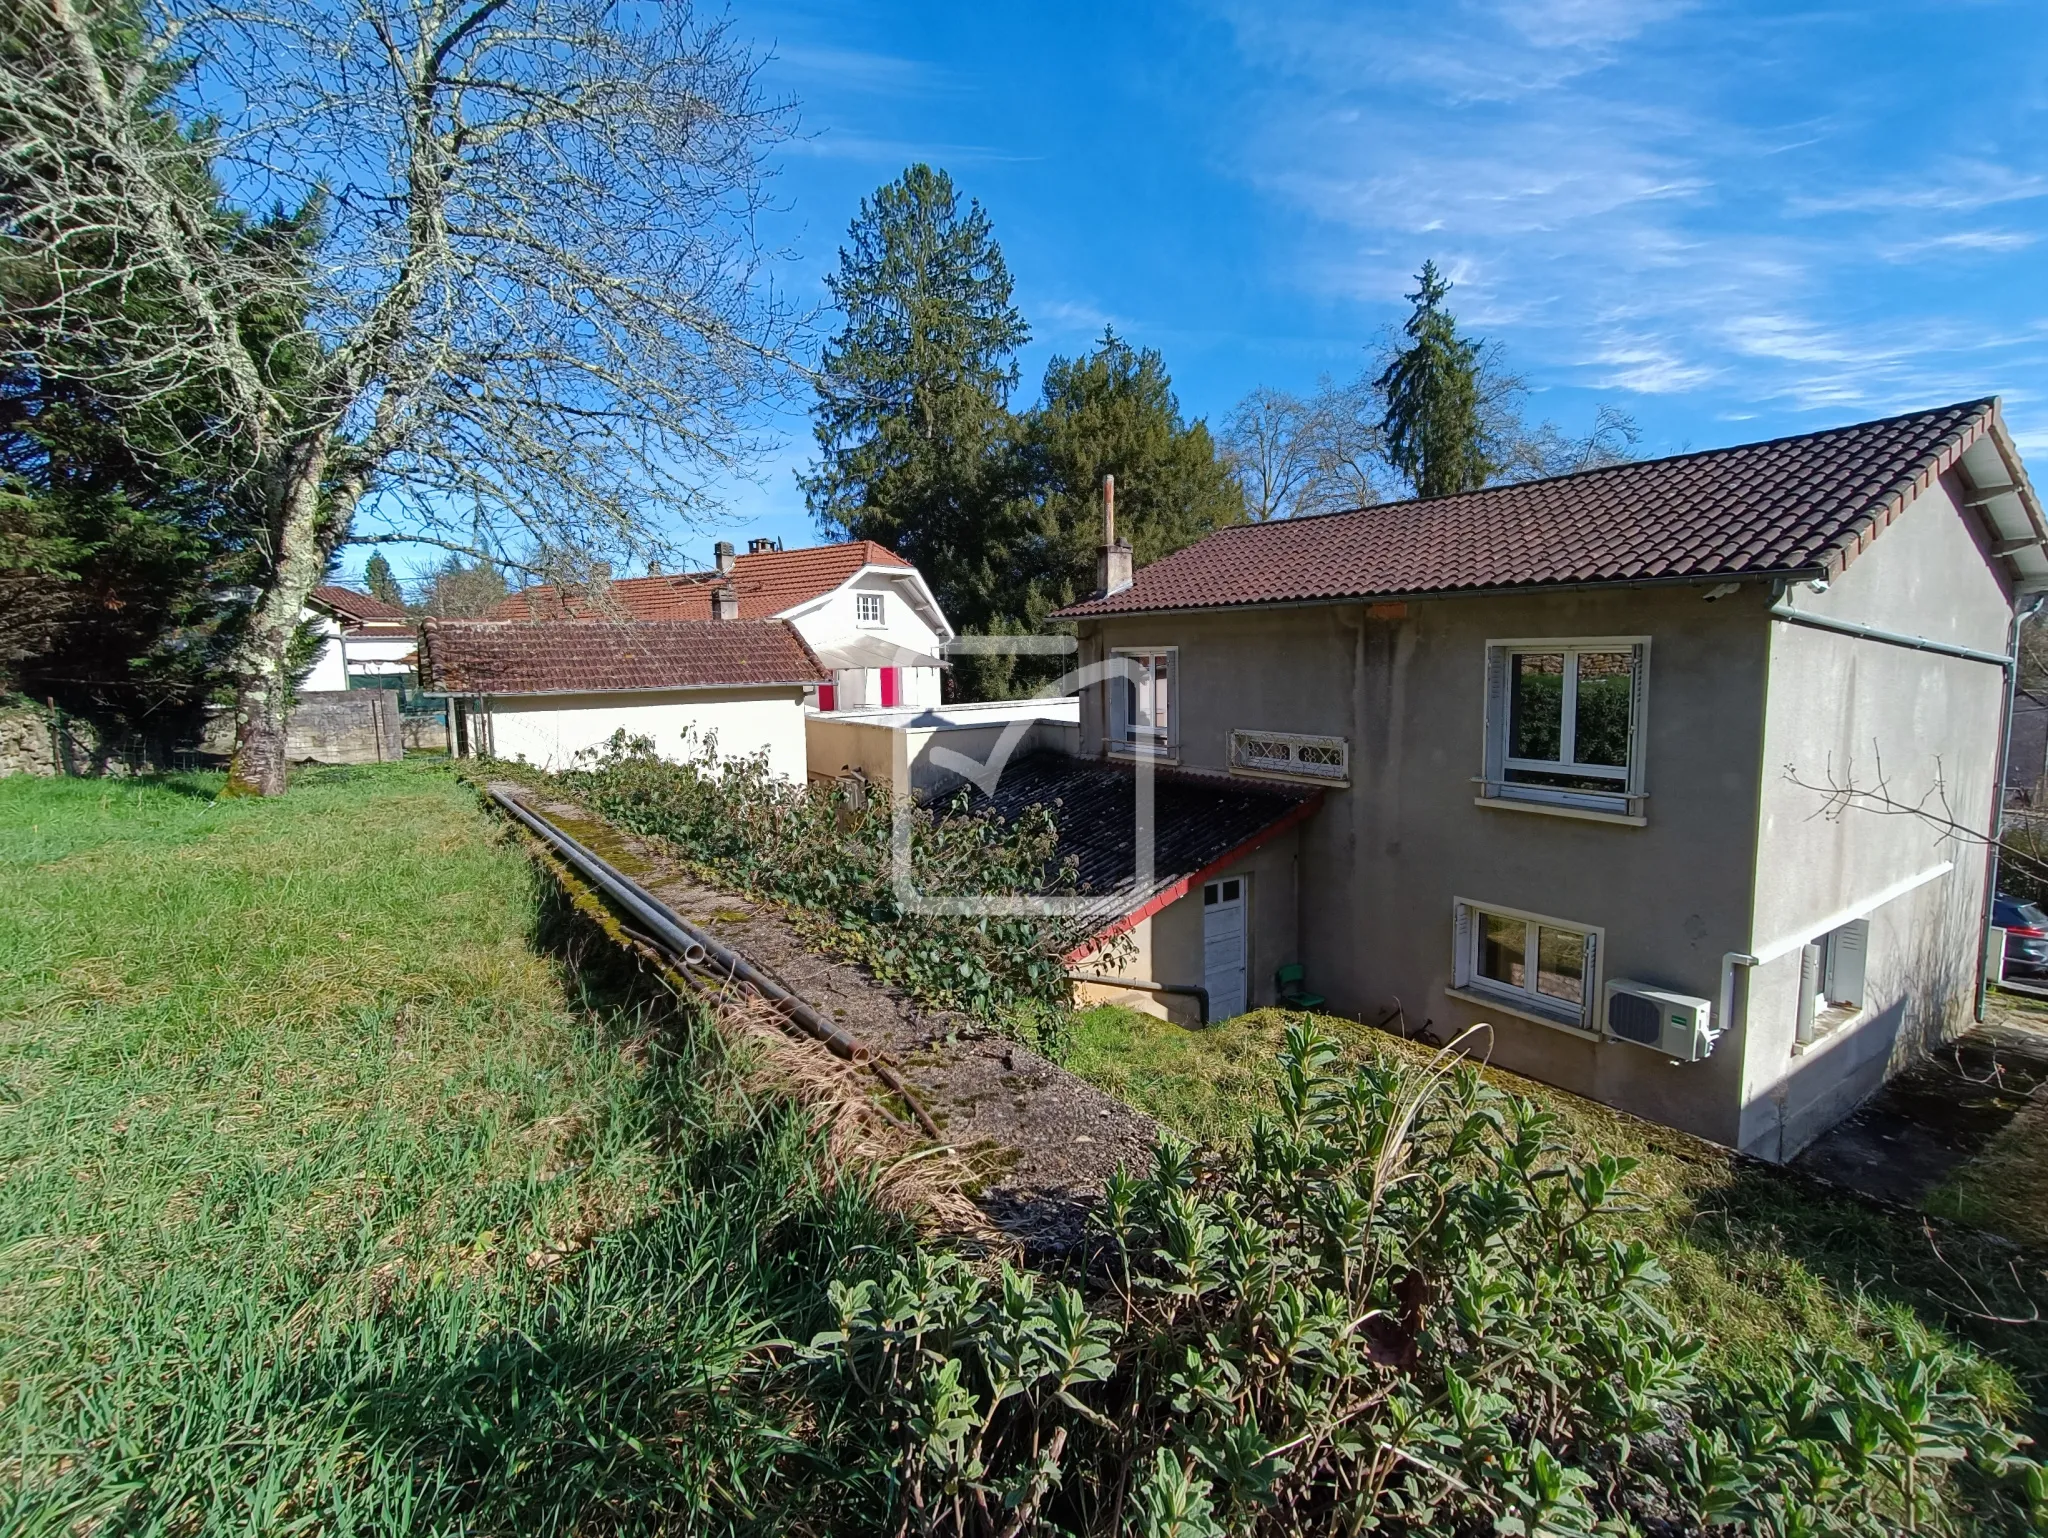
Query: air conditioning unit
1676,1024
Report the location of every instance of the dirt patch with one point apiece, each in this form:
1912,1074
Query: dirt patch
1933,1135
1039,1140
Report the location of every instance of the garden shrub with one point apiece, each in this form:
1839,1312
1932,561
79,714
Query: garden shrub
828,857
1400,1310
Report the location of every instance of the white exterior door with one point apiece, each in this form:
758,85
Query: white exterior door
1223,947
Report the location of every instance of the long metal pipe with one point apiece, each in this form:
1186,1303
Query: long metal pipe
693,947
1781,610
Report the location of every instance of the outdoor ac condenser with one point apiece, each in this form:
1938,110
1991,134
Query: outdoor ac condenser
1676,1024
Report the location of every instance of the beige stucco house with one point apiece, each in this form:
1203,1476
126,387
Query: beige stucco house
1676,776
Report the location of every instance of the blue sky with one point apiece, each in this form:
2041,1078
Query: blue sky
1732,220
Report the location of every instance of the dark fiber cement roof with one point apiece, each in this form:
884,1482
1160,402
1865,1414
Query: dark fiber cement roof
1198,821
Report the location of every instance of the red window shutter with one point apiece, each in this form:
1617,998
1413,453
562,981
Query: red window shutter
891,679
828,696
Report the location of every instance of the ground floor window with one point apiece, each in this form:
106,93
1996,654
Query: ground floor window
1539,965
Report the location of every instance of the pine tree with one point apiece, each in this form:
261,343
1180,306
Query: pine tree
912,411
383,586
1435,427
1111,411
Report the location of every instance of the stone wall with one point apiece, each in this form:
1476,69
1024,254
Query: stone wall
35,739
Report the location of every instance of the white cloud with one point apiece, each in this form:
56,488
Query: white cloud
1642,197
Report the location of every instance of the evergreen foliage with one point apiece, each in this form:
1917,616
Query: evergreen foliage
383,585
1405,1308
1111,411
912,411
1435,427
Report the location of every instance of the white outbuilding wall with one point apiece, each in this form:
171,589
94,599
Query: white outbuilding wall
550,730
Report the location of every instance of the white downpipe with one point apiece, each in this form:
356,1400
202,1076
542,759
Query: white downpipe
1725,1019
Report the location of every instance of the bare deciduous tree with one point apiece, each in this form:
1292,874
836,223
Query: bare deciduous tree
529,317
1320,455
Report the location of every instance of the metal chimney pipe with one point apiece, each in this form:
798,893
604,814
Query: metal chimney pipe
1109,509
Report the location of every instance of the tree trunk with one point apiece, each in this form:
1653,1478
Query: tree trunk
264,696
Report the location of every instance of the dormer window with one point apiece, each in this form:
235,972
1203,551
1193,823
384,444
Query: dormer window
867,608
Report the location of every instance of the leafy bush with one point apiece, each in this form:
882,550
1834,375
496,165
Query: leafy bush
814,849
1398,1311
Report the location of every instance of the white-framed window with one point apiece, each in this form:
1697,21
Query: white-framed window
1290,754
1536,965
868,608
1141,703
1565,721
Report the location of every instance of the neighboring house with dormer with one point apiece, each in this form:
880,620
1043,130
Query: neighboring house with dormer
365,642
864,610
1597,757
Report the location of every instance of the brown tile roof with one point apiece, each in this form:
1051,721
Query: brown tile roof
591,656
1804,503
361,608
767,583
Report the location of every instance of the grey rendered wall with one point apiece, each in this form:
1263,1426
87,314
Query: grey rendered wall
1839,710
1382,862
1272,937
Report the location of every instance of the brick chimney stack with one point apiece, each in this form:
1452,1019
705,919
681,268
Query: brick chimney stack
725,602
1113,557
722,554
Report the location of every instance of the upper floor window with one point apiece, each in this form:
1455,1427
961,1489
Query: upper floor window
1564,722
1141,712
867,608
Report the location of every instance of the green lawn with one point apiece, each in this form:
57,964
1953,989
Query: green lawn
1759,1257
328,1203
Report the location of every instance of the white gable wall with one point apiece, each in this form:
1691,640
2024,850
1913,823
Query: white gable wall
835,618
1844,710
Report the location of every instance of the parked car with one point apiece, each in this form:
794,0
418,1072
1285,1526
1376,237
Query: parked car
2026,936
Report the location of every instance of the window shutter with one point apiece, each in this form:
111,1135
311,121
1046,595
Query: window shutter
1638,707
1848,949
1169,718
1120,688
1809,984
1461,945
1496,716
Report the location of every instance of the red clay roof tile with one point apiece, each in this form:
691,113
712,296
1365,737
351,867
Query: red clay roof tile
768,584
1792,504
583,656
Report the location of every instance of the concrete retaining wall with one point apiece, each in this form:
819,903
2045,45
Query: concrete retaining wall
329,726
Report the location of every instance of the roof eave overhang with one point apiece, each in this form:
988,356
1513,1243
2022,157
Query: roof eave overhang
1352,600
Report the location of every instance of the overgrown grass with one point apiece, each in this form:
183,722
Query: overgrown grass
328,1200
1759,1257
